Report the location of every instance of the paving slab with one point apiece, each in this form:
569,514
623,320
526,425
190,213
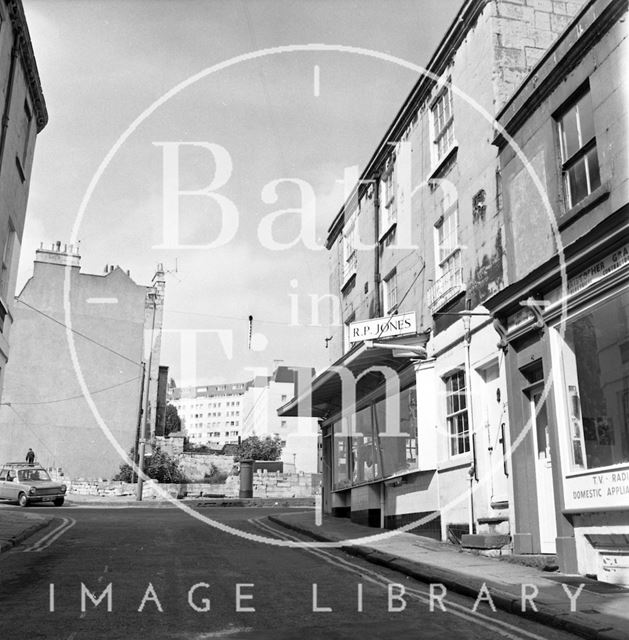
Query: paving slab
601,611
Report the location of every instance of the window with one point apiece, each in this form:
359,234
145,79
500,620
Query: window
284,398
7,257
443,123
596,365
284,424
449,274
388,203
389,293
349,248
456,413
578,151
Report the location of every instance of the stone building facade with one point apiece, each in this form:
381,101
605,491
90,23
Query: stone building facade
414,411
24,116
115,328
565,313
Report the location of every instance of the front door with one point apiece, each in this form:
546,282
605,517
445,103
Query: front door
543,471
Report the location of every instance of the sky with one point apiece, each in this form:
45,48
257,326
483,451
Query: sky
231,180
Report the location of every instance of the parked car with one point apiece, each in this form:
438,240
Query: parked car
28,483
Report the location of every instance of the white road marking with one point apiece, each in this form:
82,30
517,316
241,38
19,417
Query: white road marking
102,301
494,624
50,537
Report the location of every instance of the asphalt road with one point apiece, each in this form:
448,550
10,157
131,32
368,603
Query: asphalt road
149,560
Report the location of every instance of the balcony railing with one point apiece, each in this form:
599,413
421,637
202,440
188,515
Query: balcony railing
445,288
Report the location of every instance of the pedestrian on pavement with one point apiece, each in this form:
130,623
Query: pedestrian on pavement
30,456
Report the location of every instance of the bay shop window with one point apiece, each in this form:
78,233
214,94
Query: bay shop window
595,364
376,442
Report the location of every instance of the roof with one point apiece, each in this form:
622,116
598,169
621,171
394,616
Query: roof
23,39
454,36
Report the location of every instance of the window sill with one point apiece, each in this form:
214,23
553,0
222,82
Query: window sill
389,229
462,460
587,204
347,281
443,162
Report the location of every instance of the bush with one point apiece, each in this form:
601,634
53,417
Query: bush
254,448
215,475
158,466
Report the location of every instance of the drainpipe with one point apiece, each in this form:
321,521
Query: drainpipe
376,268
382,505
467,320
7,101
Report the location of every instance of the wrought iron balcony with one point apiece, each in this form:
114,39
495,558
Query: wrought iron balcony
445,288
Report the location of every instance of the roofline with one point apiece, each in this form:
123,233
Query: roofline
458,29
22,39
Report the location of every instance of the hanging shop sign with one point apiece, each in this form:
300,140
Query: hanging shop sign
376,328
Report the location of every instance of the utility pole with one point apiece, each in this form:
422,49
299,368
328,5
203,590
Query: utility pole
146,430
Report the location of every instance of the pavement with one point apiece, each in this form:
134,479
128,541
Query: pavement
601,609
16,526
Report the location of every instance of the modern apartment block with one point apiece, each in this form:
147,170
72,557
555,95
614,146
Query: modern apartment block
211,415
24,116
299,435
414,410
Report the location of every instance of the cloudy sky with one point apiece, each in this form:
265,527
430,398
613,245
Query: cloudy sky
268,128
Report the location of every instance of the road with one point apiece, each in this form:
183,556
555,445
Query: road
164,574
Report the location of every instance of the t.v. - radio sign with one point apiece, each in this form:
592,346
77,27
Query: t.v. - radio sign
375,328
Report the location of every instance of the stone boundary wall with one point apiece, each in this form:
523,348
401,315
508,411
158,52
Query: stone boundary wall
265,485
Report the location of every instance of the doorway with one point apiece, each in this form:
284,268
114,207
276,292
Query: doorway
543,469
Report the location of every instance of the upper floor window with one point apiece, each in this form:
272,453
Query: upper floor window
349,248
389,292
449,274
456,413
443,123
578,151
7,259
388,203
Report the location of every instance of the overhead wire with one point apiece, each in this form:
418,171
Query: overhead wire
78,333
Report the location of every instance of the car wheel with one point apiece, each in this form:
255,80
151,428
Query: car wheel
58,502
22,500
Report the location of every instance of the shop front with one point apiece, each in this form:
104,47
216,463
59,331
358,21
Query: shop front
568,382
378,470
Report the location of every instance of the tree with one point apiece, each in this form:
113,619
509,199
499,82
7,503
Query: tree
255,448
172,420
158,466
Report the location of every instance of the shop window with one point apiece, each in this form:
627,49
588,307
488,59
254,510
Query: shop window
443,124
456,414
341,477
365,454
597,385
578,151
398,443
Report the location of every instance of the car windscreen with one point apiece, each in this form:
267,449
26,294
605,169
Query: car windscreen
32,475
